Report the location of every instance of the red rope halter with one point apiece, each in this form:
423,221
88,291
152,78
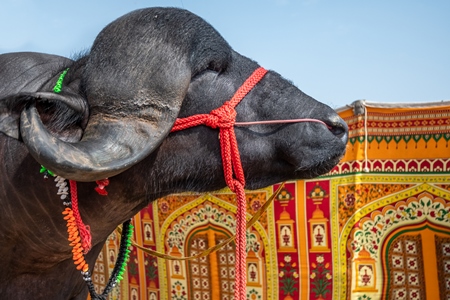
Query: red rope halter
224,118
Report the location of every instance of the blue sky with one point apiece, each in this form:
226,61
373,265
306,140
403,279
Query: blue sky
335,51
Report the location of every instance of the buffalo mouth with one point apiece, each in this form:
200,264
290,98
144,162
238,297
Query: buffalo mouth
320,153
317,169
289,168
318,160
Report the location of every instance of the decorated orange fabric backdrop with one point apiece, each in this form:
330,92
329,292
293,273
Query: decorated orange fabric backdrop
376,227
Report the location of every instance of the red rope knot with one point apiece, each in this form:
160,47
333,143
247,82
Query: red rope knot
222,117
237,185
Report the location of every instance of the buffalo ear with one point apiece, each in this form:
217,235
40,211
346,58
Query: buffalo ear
9,115
64,114
28,78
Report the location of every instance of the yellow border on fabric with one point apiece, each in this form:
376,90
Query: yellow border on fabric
302,238
124,286
269,245
339,249
140,257
162,270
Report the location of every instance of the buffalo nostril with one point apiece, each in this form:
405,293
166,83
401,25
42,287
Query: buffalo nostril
339,128
337,131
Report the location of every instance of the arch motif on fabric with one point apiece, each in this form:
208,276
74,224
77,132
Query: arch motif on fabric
375,229
204,214
204,211
372,230
214,273
368,229
403,264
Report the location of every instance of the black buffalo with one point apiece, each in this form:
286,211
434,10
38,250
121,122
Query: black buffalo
112,118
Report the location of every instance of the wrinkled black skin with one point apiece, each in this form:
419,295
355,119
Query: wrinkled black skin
34,252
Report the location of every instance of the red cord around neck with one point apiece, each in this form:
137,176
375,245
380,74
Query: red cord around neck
84,230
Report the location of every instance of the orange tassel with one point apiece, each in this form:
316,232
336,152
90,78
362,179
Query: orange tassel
75,239
75,242
80,266
77,250
78,260
85,268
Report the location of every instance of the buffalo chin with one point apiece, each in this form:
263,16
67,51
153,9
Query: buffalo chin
319,169
297,173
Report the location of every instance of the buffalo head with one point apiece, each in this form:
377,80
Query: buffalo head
118,104
111,115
